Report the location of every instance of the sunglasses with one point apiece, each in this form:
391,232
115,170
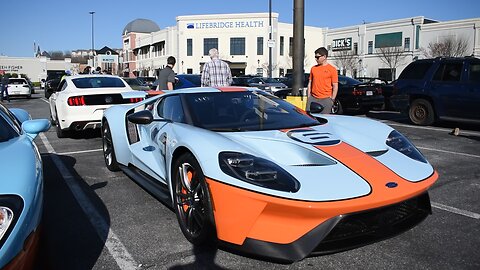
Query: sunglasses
318,56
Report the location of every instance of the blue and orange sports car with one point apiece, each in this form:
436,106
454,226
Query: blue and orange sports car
21,188
258,175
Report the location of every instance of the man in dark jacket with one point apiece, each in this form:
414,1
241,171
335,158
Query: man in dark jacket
4,92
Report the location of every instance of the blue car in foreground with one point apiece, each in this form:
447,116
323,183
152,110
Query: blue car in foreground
21,188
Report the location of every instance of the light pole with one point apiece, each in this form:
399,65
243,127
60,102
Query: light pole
93,43
270,38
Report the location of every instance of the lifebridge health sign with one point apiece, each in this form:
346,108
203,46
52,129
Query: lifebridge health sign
226,24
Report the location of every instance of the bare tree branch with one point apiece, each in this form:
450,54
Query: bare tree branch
392,57
448,47
345,60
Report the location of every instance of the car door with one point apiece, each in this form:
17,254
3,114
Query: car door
53,99
450,93
150,153
472,87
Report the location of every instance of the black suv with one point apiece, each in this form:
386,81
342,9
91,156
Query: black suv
439,89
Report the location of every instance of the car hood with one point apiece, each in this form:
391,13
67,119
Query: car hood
20,166
324,176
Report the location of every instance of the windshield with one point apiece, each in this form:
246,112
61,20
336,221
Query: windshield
271,80
98,82
244,111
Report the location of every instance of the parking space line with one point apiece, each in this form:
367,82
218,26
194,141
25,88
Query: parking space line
448,152
467,132
456,210
115,247
79,152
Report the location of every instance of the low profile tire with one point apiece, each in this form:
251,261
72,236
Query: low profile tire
60,132
108,150
337,107
421,112
192,203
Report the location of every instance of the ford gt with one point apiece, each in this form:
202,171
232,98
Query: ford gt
21,188
255,174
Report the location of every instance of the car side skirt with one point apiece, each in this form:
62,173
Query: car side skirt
150,184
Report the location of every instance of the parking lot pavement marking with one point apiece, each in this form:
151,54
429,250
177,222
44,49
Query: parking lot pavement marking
448,152
456,210
464,132
80,152
115,247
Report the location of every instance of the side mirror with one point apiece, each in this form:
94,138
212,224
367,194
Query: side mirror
316,107
145,117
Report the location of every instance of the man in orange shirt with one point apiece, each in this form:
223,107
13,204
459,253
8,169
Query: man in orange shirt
323,82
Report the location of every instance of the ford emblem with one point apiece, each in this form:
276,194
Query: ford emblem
391,184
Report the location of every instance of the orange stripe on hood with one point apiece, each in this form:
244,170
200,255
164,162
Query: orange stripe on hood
376,174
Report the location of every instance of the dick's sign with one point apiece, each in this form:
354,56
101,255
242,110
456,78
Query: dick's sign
342,44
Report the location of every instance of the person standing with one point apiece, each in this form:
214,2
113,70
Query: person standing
4,92
166,76
216,72
323,82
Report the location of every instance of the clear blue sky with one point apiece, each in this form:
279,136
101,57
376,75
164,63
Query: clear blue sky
66,25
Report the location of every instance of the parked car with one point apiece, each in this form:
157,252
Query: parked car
136,84
148,81
271,85
353,95
21,188
80,101
387,88
289,79
19,87
218,158
182,81
439,89
52,81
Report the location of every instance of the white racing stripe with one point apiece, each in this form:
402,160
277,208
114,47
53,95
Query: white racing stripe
456,210
118,251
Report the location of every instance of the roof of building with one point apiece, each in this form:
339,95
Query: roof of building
141,26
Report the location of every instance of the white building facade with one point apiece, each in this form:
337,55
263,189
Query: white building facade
243,41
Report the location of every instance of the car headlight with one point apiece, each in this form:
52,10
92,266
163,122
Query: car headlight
10,209
257,171
398,142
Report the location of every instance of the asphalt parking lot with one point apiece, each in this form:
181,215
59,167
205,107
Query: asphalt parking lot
97,219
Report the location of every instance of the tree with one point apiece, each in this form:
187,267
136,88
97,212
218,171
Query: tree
265,68
392,57
447,47
346,60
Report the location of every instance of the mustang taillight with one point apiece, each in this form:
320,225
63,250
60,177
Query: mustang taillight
357,92
76,101
135,100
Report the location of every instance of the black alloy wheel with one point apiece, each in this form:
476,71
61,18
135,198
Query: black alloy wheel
421,112
337,107
192,201
108,150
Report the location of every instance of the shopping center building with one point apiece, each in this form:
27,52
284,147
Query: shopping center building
243,41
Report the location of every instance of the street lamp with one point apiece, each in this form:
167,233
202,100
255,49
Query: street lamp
270,39
93,44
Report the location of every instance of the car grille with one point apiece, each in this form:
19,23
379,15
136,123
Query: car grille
362,228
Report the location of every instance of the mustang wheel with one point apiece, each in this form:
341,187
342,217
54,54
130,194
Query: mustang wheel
60,132
192,201
337,107
421,112
108,151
